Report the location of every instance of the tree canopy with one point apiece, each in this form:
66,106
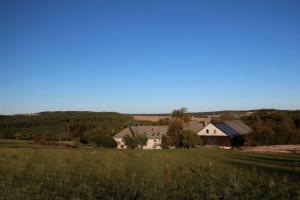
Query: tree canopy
96,128
135,142
176,136
182,114
274,127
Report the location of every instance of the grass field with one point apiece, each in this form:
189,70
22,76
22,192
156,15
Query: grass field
48,172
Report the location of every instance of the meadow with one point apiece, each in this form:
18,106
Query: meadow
29,171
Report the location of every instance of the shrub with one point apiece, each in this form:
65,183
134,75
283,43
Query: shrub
189,140
137,141
265,137
102,141
177,137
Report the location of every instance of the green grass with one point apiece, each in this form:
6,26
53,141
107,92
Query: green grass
47,172
12,141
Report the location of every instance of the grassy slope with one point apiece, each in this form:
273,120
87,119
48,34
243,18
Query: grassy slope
44,172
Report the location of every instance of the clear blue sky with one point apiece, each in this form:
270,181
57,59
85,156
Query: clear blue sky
149,56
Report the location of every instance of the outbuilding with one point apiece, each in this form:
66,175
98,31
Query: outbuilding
225,133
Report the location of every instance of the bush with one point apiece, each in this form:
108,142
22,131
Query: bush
190,140
137,141
102,141
266,137
177,137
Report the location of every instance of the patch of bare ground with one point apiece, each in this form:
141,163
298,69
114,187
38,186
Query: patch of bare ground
153,118
156,118
295,149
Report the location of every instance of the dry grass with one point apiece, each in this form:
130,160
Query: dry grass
153,118
47,172
273,149
156,118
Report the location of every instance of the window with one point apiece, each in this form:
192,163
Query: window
207,131
154,140
215,131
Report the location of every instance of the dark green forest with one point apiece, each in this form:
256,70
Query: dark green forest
270,126
274,127
72,125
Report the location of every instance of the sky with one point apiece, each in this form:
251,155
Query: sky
149,56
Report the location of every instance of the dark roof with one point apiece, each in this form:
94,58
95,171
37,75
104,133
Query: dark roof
156,132
152,132
233,128
122,133
193,126
239,126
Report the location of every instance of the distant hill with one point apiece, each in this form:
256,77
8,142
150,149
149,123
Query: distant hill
210,113
273,126
68,125
65,125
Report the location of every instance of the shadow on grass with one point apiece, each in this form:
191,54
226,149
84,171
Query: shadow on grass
290,170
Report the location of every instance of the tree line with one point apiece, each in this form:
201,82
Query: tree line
97,128
270,127
274,127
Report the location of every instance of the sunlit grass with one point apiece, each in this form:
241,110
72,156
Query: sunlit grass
47,172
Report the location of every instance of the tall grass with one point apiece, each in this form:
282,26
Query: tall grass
60,173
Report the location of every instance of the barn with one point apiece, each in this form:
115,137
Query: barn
225,133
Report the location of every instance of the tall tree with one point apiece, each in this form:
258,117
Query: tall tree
176,136
181,114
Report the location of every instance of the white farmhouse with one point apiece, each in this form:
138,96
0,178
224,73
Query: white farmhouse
153,133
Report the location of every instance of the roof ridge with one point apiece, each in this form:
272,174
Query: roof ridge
130,128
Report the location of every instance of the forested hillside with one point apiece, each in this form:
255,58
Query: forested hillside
270,126
62,125
274,127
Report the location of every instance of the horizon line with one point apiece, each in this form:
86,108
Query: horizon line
154,113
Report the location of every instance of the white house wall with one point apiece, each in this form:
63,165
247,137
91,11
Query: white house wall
120,143
211,130
151,144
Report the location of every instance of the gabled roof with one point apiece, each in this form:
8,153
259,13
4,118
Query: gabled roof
239,126
233,128
152,132
123,133
193,126
156,132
